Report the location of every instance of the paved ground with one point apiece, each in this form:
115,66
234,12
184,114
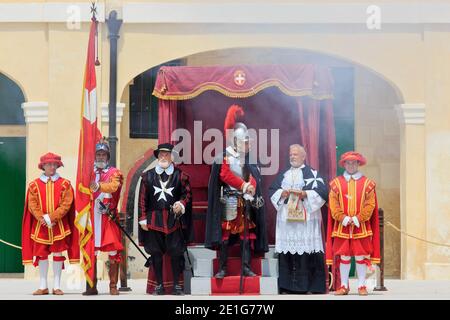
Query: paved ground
19,289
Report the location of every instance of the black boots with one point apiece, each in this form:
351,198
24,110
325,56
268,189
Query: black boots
159,290
177,267
157,261
177,290
92,291
223,256
246,255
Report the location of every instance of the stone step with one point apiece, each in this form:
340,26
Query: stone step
202,286
269,267
200,252
268,285
271,253
205,267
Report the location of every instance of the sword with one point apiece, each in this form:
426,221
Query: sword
106,210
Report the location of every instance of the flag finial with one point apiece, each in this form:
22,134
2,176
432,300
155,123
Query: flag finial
94,19
94,11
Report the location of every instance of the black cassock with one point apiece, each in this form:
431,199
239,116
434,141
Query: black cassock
213,237
306,272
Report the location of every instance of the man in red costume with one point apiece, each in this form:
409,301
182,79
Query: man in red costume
107,237
235,179
353,225
48,223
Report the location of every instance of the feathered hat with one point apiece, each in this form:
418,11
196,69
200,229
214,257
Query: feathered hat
240,130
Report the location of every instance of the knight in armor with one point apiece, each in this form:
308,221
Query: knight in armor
106,188
165,202
234,181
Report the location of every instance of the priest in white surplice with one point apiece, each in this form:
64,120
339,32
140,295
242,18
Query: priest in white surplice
298,194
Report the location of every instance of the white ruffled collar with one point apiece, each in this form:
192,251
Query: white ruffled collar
45,178
298,168
232,151
168,171
355,176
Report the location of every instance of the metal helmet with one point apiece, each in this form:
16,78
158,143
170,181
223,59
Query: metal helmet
102,145
241,132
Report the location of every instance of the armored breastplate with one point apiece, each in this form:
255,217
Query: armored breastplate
231,202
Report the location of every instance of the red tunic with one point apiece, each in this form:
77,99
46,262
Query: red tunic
110,185
54,198
353,198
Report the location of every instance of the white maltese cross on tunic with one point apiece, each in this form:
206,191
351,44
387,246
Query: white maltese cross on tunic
314,180
163,190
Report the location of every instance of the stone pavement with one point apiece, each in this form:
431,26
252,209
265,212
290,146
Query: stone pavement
13,288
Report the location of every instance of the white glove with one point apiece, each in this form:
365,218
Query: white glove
356,221
143,222
183,209
346,221
48,221
248,197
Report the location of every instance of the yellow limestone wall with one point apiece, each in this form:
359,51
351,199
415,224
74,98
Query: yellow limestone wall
47,60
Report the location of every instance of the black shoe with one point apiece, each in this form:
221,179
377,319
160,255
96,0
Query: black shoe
91,291
221,274
178,290
248,272
159,290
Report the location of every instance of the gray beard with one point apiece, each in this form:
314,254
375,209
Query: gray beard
101,164
295,165
164,164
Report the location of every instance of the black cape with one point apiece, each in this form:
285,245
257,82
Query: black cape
213,237
186,219
309,176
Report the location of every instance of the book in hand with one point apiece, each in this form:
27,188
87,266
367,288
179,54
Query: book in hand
296,210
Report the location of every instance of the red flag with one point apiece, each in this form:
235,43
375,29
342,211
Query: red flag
89,135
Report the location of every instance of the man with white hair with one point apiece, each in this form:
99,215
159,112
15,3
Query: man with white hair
165,202
298,194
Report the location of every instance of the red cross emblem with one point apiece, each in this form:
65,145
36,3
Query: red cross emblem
239,77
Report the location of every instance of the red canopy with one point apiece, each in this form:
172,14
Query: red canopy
182,83
295,99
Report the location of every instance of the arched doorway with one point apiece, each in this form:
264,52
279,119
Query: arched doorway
12,171
365,120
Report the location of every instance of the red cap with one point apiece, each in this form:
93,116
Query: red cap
50,158
352,155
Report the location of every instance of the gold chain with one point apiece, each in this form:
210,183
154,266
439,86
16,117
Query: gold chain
10,244
388,223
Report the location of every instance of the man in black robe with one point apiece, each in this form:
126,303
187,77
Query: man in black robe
298,194
165,201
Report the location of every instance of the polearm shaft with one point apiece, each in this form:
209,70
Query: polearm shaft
184,242
113,217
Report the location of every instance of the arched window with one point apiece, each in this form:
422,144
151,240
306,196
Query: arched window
11,98
143,105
